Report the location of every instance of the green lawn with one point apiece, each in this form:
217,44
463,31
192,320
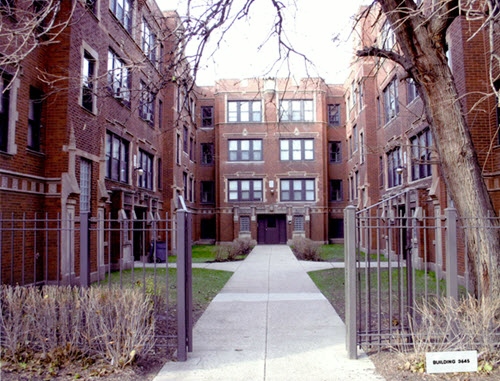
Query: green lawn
331,283
200,254
335,253
206,283
208,253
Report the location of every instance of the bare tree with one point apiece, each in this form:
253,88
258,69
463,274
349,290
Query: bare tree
28,25
420,32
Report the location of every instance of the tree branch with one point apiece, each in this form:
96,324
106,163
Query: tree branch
373,51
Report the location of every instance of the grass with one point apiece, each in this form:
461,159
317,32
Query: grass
200,254
331,283
335,253
206,283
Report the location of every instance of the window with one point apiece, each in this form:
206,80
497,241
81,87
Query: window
146,163
160,113
393,163
361,147
244,111
360,95
192,109
334,115
180,98
123,11
296,149
421,155
34,119
207,116
207,192
351,188
244,223
245,150
146,104
354,95
207,153
191,149
381,177
85,181
185,134
298,190
335,152
118,77
335,190
191,189
355,138
185,184
391,105
245,190
159,173
411,90
88,77
91,5
356,185
296,110
148,41
298,223
388,38
117,158
178,149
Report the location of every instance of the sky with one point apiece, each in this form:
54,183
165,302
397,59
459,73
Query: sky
318,29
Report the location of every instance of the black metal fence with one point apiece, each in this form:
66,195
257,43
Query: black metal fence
106,251
398,257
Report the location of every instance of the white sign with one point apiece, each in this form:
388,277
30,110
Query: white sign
451,362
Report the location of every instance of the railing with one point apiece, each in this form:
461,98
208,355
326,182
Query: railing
96,251
396,257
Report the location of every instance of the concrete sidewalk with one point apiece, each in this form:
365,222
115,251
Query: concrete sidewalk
270,322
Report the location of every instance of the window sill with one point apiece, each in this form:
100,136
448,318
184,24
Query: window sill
33,152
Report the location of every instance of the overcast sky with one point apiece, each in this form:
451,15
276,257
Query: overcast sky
317,28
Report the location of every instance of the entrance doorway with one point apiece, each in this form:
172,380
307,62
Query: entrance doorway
271,229
139,234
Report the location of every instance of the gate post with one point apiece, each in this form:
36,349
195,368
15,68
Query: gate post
350,281
184,283
451,253
84,249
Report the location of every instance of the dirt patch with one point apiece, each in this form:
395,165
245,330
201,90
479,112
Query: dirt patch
395,367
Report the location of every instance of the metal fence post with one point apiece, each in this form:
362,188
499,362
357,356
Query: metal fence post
184,283
84,249
350,281
451,253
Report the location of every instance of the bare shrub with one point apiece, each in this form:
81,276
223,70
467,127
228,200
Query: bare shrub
449,325
49,322
15,328
243,246
222,252
305,249
231,251
121,326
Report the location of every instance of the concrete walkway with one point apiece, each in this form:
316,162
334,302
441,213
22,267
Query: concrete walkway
271,323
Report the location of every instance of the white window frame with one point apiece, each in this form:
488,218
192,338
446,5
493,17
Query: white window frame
296,149
244,111
296,110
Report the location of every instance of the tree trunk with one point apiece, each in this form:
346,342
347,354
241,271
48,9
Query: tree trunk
422,43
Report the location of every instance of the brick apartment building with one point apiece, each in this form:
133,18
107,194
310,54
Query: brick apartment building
271,160
84,126
100,122
391,151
